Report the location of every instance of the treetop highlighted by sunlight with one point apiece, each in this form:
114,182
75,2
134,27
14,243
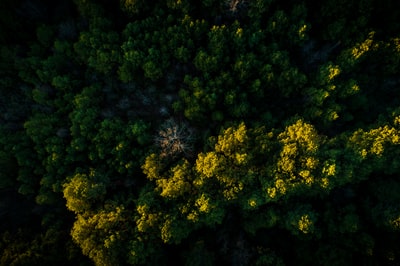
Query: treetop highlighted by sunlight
210,132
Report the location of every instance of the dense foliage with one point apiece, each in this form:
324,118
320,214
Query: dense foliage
199,132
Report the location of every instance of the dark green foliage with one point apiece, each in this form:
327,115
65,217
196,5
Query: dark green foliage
199,132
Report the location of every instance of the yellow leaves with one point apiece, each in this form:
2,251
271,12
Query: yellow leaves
286,165
396,139
332,115
311,162
289,150
54,156
173,188
333,72
317,96
363,153
240,158
272,193
232,188
302,31
305,224
152,167
216,28
147,219
223,164
299,140
81,191
109,217
239,32
193,216
397,121
301,220
303,134
298,165
395,223
327,75
396,43
119,147
349,88
142,209
179,2
355,88
329,169
207,164
364,47
98,234
306,175
178,184
232,139
324,182
252,203
377,148
374,141
166,229
171,231
175,184
279,188
223,172
203,204
212,165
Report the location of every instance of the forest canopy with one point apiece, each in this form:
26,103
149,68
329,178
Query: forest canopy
211,132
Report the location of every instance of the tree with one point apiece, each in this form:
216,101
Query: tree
83,191
298,162
175,139
99,235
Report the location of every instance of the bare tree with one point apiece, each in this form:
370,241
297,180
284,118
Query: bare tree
175,138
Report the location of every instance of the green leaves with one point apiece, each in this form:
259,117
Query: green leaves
220,130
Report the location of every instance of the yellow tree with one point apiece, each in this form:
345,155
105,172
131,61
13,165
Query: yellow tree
297,163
